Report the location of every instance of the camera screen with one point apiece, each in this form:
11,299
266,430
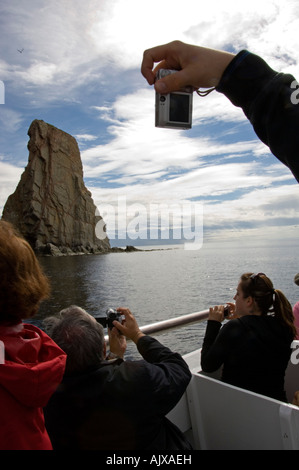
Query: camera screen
179,108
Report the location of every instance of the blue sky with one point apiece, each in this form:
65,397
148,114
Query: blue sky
79,70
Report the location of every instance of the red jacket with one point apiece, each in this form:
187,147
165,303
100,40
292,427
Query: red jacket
33,367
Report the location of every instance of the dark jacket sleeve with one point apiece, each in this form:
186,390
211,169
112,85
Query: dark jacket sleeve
268,99
211,362
167,373
219,341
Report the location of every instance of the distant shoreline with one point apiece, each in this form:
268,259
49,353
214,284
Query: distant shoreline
132,249
57,252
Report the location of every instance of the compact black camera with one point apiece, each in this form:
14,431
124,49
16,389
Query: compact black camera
226,310
173,110
111,315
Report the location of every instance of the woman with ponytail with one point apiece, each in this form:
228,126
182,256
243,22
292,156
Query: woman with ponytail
254,347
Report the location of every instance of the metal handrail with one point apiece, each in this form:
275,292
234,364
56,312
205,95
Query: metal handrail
173,322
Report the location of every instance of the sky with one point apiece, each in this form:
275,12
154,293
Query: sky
76,65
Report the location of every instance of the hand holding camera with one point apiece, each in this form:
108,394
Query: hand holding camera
111,315
199,67
222,312
130,326
182,69
117,342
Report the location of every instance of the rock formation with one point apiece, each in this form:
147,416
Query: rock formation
51,207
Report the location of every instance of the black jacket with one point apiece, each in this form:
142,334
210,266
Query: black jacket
254,351
270,101
121,405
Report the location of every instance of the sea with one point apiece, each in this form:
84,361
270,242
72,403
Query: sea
158,283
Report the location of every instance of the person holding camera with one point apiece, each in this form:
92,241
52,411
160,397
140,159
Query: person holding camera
269,99
114,404
254,346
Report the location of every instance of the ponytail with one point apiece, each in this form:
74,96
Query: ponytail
283,311
268,299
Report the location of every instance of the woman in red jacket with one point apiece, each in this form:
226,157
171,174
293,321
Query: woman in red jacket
31,364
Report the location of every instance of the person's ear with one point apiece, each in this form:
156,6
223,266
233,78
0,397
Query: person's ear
249,301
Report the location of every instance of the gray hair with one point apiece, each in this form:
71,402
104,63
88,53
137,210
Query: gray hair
78,334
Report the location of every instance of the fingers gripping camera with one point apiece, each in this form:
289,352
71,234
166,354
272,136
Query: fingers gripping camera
111,315
173,110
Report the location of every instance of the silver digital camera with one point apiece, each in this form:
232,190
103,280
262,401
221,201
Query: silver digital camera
173,110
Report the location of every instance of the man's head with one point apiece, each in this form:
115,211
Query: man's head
80,336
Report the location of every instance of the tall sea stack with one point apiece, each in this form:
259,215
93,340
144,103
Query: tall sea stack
51,207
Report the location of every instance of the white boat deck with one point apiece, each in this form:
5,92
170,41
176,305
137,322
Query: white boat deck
218,416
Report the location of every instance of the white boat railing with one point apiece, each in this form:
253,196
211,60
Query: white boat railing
173,322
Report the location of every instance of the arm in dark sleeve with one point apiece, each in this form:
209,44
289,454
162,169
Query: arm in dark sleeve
211,360
219,342
168,374
267,99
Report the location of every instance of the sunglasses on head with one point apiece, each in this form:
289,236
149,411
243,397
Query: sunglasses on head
254,276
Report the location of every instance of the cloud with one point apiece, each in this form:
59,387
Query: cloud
85,137
80,68
9,178
85,43
246,212
39,73
10,120
216,107
146,166
277,203
138,151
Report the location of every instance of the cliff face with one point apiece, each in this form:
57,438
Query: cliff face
51,206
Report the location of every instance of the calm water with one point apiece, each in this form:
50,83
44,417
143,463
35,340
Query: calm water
157,285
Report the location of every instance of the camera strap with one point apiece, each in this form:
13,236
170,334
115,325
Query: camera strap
205,92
